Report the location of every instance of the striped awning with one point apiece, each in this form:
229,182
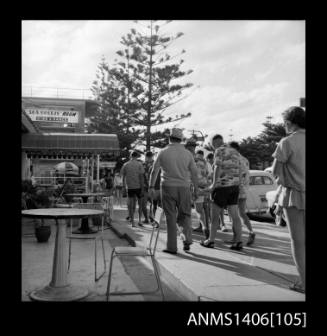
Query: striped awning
72,145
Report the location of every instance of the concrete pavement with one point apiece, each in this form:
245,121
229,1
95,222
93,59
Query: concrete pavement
262,272
129,275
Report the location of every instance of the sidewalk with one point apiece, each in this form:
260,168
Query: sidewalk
131,275
262,272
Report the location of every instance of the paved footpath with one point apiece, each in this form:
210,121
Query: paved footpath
262,272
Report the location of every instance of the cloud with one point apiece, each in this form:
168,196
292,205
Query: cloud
245,69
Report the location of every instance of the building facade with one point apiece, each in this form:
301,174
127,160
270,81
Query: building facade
61,136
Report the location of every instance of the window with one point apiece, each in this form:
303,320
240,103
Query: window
267,180
256,180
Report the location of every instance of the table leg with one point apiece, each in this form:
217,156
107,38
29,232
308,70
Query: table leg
84,229
59,289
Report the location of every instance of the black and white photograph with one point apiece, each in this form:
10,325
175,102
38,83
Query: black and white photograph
164,161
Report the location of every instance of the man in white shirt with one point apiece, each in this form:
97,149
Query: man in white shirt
177,170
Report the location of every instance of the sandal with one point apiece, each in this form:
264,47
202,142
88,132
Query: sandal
208,244
297,288
237,246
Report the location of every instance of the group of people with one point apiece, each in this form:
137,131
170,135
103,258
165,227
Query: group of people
181,178
211,185
135,180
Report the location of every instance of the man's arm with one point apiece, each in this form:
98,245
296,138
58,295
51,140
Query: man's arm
194,176
277,171
216,170
281,156
123,175
154,172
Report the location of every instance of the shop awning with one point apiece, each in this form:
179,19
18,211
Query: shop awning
72,145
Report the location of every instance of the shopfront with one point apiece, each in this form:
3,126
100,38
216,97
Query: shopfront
45,151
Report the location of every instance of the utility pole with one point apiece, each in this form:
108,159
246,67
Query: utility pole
231,135
195,136
269,117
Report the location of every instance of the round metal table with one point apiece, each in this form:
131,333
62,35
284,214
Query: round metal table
59,289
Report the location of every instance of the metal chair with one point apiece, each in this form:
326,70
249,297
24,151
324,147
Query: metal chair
148,251
93,236
108,208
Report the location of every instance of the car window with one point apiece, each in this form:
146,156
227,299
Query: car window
256,180
267,180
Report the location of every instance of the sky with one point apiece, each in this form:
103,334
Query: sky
243,71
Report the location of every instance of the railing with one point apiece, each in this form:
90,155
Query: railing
51,92
51,181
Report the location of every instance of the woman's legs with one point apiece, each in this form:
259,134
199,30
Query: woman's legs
200,210
243,215
236,222
215,213
119,196
295,219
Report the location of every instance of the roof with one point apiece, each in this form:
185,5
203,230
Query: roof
72,144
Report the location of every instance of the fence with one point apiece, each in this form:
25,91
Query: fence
41,91
81,183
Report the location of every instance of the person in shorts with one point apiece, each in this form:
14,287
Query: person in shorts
118,187
225,190
207,201
244,186
133,178
203,173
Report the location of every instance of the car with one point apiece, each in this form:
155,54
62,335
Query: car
271,197
269,170
261,182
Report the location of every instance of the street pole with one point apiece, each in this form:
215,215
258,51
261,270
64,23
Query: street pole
98,167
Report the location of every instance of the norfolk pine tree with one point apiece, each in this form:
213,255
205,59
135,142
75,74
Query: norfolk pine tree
115,113
151,75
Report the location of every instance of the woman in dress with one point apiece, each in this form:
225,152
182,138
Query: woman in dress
289,167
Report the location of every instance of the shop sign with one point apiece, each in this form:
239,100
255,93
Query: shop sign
52,115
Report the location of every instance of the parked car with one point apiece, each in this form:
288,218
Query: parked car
261,182
271,197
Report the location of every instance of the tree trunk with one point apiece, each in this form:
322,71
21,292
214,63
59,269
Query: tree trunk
148,126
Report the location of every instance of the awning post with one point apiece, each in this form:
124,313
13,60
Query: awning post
98,168
92,173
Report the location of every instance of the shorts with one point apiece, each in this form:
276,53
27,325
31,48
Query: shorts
119,187
225,196
134,192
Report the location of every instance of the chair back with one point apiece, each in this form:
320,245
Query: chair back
155,231
94,206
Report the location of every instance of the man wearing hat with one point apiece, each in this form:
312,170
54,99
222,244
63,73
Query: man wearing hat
177,166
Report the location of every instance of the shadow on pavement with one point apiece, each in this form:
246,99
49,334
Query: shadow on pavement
238,268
